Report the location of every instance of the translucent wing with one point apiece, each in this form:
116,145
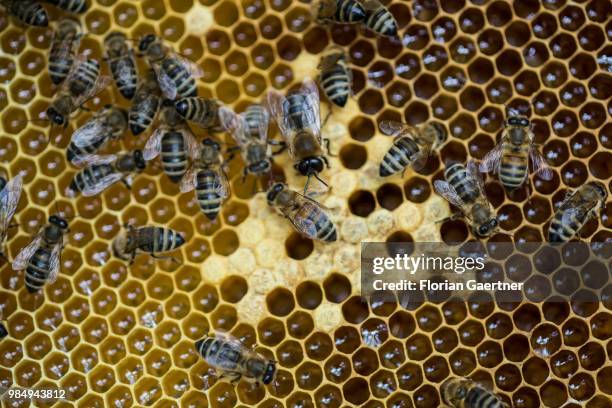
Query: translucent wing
188,182
419,159
21,261
329,61
75,65
492,160
222,185
472,170
102,184
166,84
193,147
54,261
9,198
539,164
392,127
91,132
571,214
262,125
102,82
448,192
93,159
276,104
305,225
194,69
233,124
311,92
153,146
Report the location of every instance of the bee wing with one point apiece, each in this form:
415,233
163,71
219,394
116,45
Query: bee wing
188,182
305,225
102,82
472,170
234,124
392,127
78,60
166,84
492,160
93,159
153,146
448,192
571,214
9,198
419,160
91,132
102,184
222,188
539,164
54,261
276,104
194,69
311,92
193,147
21,260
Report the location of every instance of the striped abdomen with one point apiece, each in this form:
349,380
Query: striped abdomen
125,76
37,271
457,176
28,11
72,6
155,240
296,111
219,354
513,168
85,77
563,232
480,398
174,155
335,83
398,157
61,57
183,81
142,113
254,115
202,111
73,151
349,11
326,230
381,21
90,176
207,193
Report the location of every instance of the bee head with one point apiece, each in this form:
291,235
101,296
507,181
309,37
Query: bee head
269,373
600,189
139,160
58,221
260,167
208,142
521,121
486,229
273,191
202,346
56,117
146,42
310,165
41,19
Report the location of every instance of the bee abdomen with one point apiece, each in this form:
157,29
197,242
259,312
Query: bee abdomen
126,86
478,397
73,151
37,271
512,172
398,157
59,68
199,110
29,12
174,157
335,83
207,193
142,115
456,175
185,84
85,77
562,232
349,11
89,176
326,230
72,6
157,239
382,22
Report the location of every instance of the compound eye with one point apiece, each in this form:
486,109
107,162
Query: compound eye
483,230
494,222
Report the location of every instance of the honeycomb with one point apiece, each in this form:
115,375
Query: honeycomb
115,335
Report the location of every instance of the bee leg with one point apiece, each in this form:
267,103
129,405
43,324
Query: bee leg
326,141
453,217
326,162
127,184
283,146
236,378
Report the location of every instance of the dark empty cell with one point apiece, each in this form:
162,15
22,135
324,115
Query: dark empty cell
361,53
598,10
343,34
244,34
563,45
452,79
582,66
390,47
416,113
499,326
600,86
353,156
425,86
600,165
556,310
491,119
498,13
380,73
253,9
401,324
436,369
582,387
471,20
315,40
271,331
398,94
508,62
516,347
454,232
575,332
401,239
434,58
443,29
556,152
444,106
526,317
233,289
544,25
462,50
517,267
592,356
425,10
489,354
389,196
362,203
535,54
592,115
526,9
445,340
371,101
472,98
319,346
337,288
508,377
537,210
288,48
270,27
571,18
499,90
584,302
553,75
355,310
262,56
481,70
356,391
490,41
416,37
545,102
428,318
300,324
361,129
418,347
463,126
453,152
280,302
365,361
309,295
426,396
480,145
553,393
564,123
574,174
407,66
594,274
591,38
298,247
417,189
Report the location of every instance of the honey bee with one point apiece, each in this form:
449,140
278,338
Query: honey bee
103,171
82,83
510,158
122,65
176,75
298,118
250,132
306,215
201,111
379,19
64,46
233,360
108,124
576,210
27,11
464,393
145,104
41,257
338,11
71,6
150,240
335,77
10,192
465,190
175,141
208,178
412,146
